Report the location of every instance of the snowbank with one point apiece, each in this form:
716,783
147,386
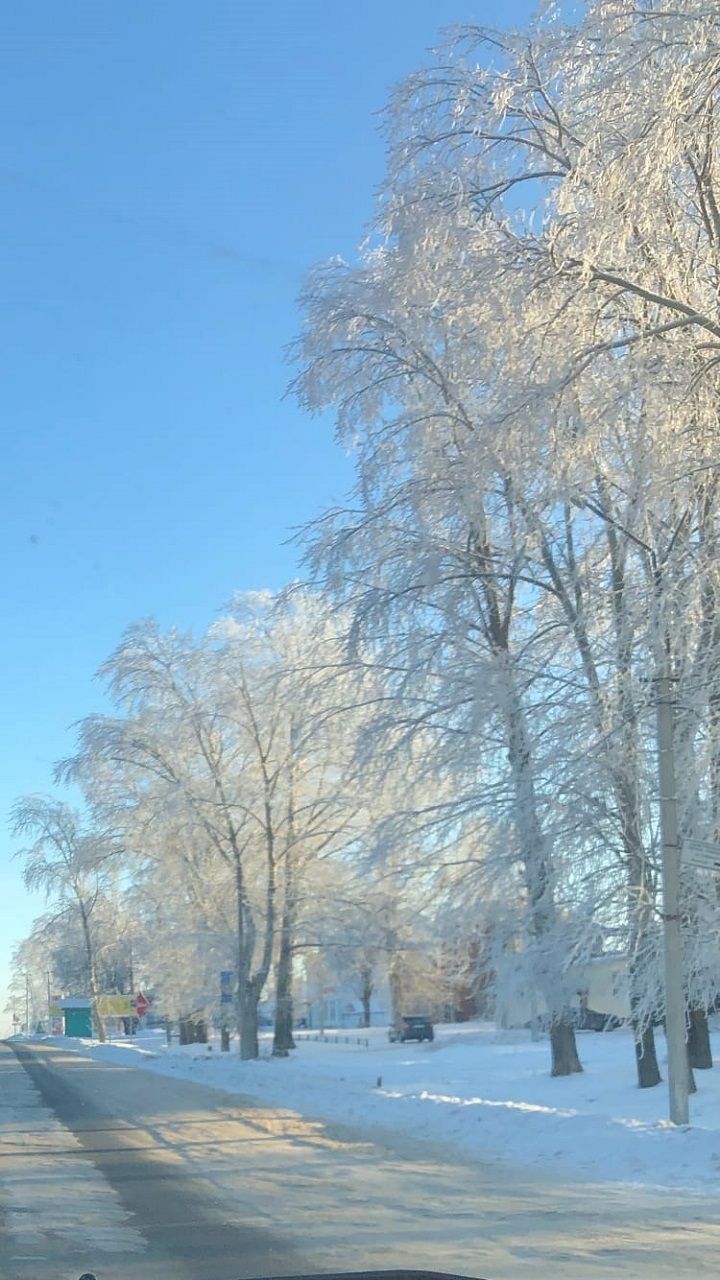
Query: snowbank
488,1094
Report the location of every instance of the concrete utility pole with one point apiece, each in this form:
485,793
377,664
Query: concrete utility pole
678,1082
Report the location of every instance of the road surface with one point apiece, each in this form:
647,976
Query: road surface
127,1173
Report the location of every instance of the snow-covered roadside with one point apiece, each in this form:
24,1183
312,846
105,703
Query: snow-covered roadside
487,1093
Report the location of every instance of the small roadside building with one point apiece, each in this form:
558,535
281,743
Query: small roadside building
77,1017
600,986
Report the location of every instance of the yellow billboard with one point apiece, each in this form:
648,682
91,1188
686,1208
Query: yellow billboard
116,1006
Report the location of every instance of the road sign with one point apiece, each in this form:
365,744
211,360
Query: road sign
142,1004
226,986
115,1006
700,853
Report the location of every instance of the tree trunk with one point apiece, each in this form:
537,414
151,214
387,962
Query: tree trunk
95,1002
251,985
565,1060
648,1071
698,1041
538,874
92,975
622,764
641,914
692,1087
249,1046
366,993
283,1032
246,999
624,773
395,984
187,1031
283,1036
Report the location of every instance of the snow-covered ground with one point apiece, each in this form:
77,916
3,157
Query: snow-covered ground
488,1094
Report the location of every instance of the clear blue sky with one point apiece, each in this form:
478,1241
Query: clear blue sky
168,172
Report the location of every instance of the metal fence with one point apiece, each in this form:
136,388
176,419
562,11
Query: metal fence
332,1038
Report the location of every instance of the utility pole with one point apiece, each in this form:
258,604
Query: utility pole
678,1071
49,1021
27,1004
132,1020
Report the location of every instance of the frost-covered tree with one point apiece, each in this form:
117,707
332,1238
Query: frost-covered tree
524,363
73,864
194,751
432,566
226,774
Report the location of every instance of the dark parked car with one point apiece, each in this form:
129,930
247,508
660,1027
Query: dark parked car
414,1028
590,1020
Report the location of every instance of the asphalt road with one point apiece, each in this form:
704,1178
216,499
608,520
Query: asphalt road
131,1174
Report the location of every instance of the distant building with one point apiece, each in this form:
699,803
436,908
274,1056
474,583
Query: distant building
601,986
328,1003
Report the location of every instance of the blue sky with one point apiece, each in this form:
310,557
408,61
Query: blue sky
168,172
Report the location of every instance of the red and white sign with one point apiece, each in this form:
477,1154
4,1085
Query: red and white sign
142,1004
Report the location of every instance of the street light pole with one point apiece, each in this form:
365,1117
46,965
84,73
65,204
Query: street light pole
678,1072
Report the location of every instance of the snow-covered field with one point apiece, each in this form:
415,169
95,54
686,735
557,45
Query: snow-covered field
488,1094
